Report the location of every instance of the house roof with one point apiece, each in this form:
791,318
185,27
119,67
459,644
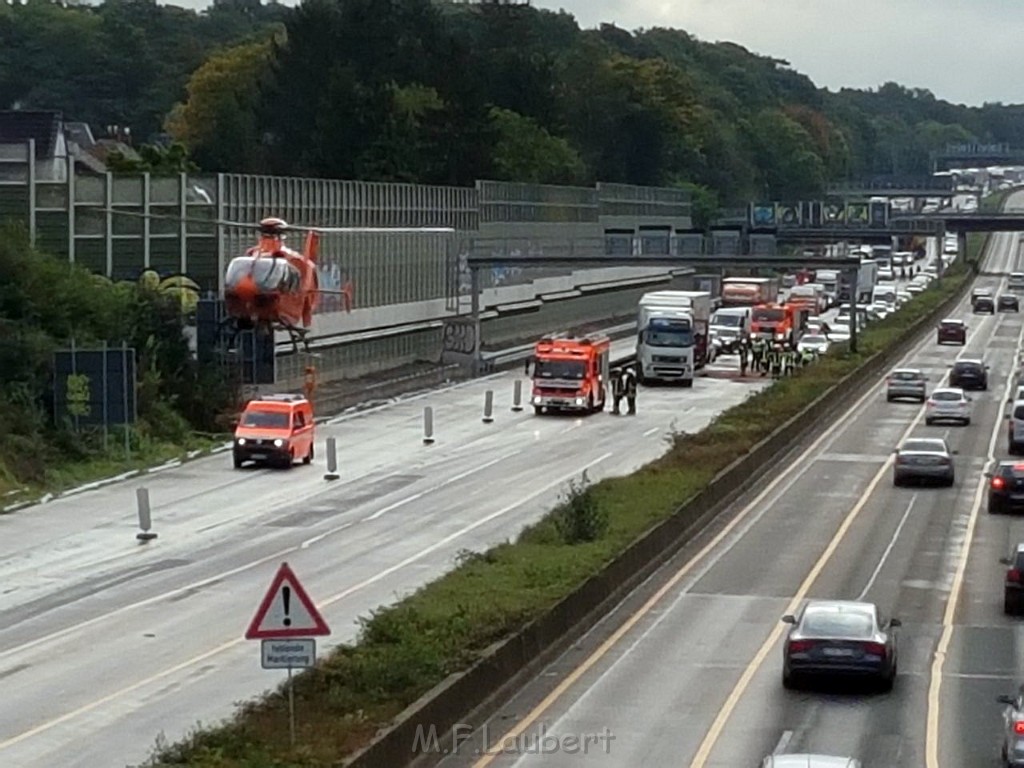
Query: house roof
81,134
18,126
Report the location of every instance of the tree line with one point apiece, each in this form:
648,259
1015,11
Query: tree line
437,92
45,303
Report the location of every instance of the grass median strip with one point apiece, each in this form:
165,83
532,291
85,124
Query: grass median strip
405,650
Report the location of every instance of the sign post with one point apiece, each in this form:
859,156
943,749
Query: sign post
286,622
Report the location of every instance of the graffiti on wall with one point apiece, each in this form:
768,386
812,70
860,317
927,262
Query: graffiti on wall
499,275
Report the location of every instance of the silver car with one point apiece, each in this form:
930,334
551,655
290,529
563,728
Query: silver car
809,761
909,383
1013,729
924,459
948,404
842,638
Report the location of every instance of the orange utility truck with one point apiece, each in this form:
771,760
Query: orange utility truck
570,373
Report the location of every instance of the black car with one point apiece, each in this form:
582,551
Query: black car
1009,303
984,304
1013,583
969,374
1006,487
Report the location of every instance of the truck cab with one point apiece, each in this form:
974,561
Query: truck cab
729,326
570,373
778,323
673,335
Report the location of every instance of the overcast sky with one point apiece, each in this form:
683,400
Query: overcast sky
964,51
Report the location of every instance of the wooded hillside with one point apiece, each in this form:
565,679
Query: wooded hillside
420,91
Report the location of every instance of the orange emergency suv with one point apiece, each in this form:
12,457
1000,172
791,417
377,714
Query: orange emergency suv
275,429
570,373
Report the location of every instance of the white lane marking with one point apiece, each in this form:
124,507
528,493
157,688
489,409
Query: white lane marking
651,431
179,590
780,748
888,549
45,726
949,616
432,489
316,539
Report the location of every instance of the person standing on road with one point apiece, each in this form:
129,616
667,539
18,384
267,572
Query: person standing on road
618,390
629,384
743,357
776,361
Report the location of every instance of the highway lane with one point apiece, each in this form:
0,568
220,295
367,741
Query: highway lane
104,644
688,671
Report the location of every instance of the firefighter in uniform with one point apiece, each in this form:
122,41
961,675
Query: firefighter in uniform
743,357
629,384
776,361
618,390
760,364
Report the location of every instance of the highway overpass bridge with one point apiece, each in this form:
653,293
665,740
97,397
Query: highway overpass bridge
973,155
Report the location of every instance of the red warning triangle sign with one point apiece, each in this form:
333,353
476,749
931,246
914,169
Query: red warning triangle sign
286,611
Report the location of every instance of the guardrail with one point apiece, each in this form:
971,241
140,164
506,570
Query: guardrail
499,359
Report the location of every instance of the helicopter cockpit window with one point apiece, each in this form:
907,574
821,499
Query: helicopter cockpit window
269,274
275,275
238,269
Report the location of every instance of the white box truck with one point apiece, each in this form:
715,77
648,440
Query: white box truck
672,335
867,276
829,279
728,326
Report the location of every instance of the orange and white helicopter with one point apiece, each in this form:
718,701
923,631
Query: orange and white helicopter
273,287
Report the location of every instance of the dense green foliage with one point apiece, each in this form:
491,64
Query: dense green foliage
123,62
44,304
427,91
407,649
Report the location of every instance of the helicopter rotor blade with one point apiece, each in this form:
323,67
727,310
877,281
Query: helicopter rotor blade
169,217
255,226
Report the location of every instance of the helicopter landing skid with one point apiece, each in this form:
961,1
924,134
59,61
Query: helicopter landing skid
296,335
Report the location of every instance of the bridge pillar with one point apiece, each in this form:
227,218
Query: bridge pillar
961,245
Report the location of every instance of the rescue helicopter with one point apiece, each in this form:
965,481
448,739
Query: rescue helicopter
271,287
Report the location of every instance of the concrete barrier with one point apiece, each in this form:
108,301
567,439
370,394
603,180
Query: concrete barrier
471,696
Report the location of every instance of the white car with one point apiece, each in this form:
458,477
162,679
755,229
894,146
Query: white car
840,329
813,342
886,276
809,761
902,297
915,289
880,309
948,404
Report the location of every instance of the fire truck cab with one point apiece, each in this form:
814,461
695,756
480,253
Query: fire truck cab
571,373
778,323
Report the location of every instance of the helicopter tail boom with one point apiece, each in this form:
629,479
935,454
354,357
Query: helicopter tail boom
312,249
